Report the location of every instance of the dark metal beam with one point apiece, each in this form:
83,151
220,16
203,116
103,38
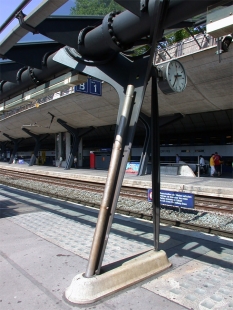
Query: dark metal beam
38,139
8,71
66,29
155,158
50,71
77,134
32,54
116,33
16,143
3,150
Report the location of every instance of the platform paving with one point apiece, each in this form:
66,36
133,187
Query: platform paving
46,242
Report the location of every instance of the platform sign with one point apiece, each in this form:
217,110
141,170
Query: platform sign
91,87
81,88
174,199
95,87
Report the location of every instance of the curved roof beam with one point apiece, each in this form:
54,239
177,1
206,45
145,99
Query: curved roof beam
65,29
46,8
31,54
117,33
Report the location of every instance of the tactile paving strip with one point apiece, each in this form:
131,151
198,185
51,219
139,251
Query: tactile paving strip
197,285
77,237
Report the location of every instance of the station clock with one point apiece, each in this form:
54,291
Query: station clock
172,77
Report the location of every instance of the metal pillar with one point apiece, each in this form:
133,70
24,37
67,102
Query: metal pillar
16,145
119,72
3,149
146,120
77,134
38,139
113,172
147,144
155,157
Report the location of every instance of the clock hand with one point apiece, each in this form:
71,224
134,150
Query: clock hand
175,80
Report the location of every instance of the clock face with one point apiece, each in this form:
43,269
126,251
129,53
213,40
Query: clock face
176,76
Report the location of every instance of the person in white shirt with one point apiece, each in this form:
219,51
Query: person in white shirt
202,163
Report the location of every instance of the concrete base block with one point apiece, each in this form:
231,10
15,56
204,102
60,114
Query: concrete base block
87,290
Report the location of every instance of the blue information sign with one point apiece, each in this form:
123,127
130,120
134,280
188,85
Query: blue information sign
174,199
91,87
82,88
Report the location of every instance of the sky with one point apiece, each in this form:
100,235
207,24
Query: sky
8,6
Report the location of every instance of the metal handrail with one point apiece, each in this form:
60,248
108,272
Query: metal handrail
12,16
185,47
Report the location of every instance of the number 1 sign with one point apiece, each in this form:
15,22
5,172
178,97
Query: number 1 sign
91,87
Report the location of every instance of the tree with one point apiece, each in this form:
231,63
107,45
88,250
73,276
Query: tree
94,7
183,34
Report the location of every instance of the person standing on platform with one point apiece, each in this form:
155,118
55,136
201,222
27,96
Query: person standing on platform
212,168
75,162
217,163
60,162
177,158
202,163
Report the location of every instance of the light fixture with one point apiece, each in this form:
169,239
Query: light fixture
226,43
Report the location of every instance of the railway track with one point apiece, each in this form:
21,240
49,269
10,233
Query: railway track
204,203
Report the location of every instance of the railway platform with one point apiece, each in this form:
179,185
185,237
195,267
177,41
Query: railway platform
46,242
221,187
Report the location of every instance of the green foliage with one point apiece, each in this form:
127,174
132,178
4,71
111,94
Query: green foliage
182,34
138,51
94,7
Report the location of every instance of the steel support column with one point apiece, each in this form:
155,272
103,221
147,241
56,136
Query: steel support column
119,72
77,134
113,173
146,120
3,149
38,139
155,157
146,151
16,145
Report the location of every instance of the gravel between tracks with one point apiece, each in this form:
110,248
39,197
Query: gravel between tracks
208,219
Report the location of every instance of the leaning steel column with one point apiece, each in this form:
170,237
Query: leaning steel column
105,208
155,158
16,145
38,139
77,134
162,122
146,120
3,149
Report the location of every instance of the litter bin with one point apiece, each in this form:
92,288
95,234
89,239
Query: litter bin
92,160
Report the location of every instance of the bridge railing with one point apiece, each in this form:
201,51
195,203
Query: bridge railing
185,47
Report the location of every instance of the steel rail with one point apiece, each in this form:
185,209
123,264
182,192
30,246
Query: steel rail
139,215
202,203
